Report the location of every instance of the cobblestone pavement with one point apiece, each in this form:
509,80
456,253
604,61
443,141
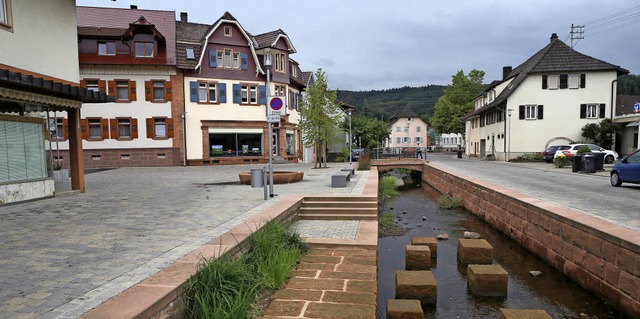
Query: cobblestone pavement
336,229
591,194
62,256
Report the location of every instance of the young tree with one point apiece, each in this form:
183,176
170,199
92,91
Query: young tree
319,117
370,131
457,101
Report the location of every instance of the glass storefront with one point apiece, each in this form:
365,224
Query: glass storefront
235,144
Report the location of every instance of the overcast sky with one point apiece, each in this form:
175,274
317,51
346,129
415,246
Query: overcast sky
373,44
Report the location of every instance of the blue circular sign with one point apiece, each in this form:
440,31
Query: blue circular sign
276,103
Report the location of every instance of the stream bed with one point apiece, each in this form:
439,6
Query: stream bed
416,209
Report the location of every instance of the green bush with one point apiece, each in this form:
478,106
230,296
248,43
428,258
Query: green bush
561,160
364,162
530,157
387,187
228,288
449,202
583,149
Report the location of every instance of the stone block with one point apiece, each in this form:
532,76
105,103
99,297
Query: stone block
417,257
474,251
417,284
432,242
487,280
404,309
523,314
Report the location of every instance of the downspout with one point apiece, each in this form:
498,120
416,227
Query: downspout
612,112
504,140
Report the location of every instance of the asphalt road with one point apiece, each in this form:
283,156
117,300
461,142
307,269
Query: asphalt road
591,194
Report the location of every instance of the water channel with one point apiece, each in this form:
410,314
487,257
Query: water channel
551,291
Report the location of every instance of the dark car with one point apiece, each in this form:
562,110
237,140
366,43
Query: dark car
550,152
355,153
627,170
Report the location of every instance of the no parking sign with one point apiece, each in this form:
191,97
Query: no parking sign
276,105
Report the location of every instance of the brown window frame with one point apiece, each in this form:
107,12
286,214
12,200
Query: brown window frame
115,128
135,46
85,127
151,127
131,93
106,43
8,23
249,89
207,88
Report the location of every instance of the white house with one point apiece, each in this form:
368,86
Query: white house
407,130
449,141
544,101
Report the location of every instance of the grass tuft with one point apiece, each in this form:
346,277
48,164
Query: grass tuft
449,202
364,162
386,220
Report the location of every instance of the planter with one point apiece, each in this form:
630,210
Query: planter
61,175
279,177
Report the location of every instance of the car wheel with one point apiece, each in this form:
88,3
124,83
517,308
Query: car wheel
615,179
608,159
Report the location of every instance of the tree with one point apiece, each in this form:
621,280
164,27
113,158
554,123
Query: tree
601,133
457,101
319,117
370,131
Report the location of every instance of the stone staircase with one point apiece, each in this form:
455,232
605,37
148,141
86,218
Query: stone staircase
336,207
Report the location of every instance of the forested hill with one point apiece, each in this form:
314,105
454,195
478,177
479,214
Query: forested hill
383,104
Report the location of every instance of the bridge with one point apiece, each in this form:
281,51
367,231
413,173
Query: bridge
407,163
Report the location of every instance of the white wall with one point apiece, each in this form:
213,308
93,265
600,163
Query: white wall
412,133
44,38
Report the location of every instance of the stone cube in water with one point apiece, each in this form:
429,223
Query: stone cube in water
404,309
523,314
432,242
474,251
487,280
417,284
417,257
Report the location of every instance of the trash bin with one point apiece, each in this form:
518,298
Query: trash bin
576,163
459,153
256,178
589,163
600,161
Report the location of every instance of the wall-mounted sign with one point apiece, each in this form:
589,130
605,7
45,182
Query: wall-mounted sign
636,107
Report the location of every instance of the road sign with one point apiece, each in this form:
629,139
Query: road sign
273,118
276,105
636,107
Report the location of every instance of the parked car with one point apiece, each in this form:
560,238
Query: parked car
550,152
355,153
627,170
609,157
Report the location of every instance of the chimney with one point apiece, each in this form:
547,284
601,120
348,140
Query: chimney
184,17
505,71
554,36
133,7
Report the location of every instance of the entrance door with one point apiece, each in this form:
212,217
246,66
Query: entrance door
483,148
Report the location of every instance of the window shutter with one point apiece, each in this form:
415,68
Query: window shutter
520,113
83,84
104,127
212,58
149,122
170,128
102,86
222,92
65,128
134,128
583,80
540,112
168,94
112,87
114,128
132,91
564,80
84,130
193,91
544,82
583,111
236,93
147,91
262,94
602,110
244,61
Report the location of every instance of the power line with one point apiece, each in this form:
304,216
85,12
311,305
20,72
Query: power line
607,23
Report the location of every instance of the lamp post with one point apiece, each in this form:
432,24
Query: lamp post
350,138
267,65
509,136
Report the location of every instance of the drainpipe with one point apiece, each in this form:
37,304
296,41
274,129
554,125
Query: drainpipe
612,111
184,135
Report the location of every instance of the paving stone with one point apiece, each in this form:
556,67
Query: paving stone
316,284
340,311
417,257
417,284
432,242
367,286
487,280
474,251
298,294
349,297
404,309
348,275
284,308
523,314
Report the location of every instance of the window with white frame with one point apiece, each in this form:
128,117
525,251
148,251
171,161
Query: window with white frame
530,112
122,89
227,31
124,128
418,128
159,127
236,60
227,58
220,58
552,82
95,128
417,139
592,111
280,65
207,92
406,139
574,81
398,140
158,90
398,129
248,94
279,90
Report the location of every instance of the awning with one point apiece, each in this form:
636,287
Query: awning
36,98
632,124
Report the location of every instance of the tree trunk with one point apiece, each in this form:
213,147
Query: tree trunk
324,154
314,155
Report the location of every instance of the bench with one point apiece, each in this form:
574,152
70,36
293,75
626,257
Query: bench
340,179
351,170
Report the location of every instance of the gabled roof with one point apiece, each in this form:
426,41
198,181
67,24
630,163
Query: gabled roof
307,78
554,57
269,39
94,20
189,36
406,112
143,24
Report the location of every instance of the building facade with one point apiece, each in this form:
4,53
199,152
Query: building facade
544,101
407,130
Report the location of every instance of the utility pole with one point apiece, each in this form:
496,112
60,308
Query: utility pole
577,32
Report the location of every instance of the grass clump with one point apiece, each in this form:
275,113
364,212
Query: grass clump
229,287
364,162
386,220
387,187
448,202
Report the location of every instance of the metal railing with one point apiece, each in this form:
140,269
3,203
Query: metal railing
399,152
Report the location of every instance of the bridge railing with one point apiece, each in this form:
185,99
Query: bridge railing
399,152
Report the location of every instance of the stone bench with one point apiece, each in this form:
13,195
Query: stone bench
351,171
340,179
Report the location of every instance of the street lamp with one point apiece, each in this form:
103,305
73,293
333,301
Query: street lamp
350,138
267,65
509,136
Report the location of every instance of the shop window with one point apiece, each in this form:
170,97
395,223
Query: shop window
235,144
23,149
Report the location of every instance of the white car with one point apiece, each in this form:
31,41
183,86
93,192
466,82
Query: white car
609,157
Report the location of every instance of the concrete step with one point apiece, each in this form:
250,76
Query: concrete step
337,198
340,204
336,217
339,211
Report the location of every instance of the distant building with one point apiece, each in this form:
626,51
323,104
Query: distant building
628,116
449,141
407,130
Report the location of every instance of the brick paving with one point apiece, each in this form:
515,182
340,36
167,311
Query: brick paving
337,282
336,229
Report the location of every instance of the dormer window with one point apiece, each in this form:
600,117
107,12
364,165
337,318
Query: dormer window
107,48
190,54
227,31
144,49
280,65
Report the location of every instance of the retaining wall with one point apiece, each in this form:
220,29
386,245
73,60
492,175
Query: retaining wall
600,256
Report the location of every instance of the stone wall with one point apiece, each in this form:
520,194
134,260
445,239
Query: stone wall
134,157
26,190
600,256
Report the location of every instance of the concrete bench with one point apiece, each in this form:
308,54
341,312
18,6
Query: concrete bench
340,179
351,170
